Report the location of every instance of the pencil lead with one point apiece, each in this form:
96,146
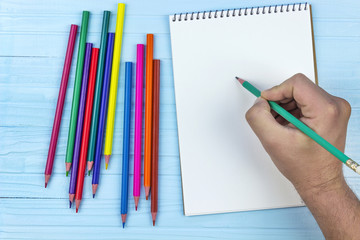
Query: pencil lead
93,195
89,173
67,173
123,225
45,185
106,166
135,208
154,223
77,210
69,204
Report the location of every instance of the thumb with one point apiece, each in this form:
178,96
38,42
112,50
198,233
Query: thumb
262,121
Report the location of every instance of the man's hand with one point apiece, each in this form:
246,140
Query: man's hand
316,174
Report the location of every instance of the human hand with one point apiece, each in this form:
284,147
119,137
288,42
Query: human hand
305,163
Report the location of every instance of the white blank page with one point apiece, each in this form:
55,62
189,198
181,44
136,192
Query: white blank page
224,167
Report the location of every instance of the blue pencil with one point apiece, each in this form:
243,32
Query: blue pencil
126,142
103,110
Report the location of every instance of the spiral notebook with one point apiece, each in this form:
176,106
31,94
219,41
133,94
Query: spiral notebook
224,167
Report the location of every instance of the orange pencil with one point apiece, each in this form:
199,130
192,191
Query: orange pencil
148,112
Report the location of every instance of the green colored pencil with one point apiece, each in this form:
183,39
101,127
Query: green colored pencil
76,94
98,87
305,129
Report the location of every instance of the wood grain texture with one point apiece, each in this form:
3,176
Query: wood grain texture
33,36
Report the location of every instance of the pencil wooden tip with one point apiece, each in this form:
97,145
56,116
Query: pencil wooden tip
147,192
107,159
47,178
67,167
94,188
90,165
153,215
136,200
71,197
77,202
123,218
240,80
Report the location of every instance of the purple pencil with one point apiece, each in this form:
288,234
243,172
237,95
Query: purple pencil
60,103
79,124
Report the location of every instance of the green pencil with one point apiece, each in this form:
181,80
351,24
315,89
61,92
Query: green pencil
97,95
76,94
305,129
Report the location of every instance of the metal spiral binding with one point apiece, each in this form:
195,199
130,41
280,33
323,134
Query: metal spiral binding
239,12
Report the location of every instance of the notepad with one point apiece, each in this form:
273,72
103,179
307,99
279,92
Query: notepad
224,167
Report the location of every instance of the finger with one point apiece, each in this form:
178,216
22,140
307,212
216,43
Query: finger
262,122
308,96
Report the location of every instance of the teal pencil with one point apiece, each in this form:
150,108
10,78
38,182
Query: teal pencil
305,129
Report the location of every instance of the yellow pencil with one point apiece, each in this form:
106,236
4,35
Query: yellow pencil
114,82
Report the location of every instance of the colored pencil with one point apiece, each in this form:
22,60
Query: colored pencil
114,83
97,94
148,113
86,127
305,129
60,103
77,89
126,142
79,124
155,141
138,122
103,107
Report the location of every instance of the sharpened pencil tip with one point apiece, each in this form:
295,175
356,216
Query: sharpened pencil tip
240,80
135,208
106,166
77,210
154,223
123,225
69,204
93,195
67,173
45,185
88,173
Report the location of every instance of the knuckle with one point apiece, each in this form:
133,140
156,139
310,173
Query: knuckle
332,109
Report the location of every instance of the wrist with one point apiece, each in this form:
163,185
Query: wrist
317,190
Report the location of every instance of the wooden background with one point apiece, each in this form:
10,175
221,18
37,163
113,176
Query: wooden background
33,38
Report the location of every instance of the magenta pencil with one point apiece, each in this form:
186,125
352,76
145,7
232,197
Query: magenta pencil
60,103
138,122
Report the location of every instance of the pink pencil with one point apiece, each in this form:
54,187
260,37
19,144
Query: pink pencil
138,122
60,103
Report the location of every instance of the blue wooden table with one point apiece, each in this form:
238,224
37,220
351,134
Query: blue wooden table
33,38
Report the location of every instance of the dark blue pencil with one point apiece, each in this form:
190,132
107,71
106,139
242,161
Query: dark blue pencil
126,142
103,110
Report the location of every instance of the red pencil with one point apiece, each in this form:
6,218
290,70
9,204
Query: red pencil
60,103
86,127
155,141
